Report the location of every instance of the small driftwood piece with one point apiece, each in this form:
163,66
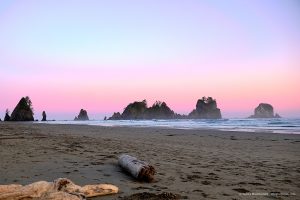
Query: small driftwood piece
61,188
138,169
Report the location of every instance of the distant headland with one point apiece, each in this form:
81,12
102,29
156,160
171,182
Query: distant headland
206,108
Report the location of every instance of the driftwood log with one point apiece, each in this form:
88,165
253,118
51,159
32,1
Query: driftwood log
61,188
138,169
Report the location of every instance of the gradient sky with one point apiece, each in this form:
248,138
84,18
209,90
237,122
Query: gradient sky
101,55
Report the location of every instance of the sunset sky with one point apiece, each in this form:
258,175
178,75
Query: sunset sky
102,55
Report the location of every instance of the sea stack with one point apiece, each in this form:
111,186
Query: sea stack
264,110
159,110
44,116
115,116
206,108
23,111
7,117
135,110
82,115
139,110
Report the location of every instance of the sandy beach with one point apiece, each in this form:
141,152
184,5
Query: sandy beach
195,164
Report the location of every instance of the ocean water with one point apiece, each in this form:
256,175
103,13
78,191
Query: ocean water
280,125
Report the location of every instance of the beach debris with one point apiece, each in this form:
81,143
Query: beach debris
138,169
61,188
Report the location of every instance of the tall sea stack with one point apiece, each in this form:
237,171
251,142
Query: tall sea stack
23,111
82,115
44,116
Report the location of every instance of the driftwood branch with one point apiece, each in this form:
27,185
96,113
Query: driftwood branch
61,188
138,169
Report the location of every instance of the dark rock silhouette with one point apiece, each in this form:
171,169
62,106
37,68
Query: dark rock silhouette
105,118
139,110
7,117
115,116
264,110
135,110
23,111
159,110
206,108
82,115
44,116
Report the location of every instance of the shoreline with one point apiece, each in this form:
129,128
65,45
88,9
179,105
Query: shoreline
212,129
192,163
281,126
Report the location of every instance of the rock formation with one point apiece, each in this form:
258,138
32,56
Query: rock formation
44,116
82,115
115,116
206,108
139,110
159,110
7,117
23,111
135,110
264,110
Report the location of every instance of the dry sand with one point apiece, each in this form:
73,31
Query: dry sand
195,164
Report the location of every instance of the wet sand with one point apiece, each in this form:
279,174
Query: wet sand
194,164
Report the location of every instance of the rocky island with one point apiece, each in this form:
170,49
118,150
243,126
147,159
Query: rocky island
22,112
140,110
206,108
82,115
264,110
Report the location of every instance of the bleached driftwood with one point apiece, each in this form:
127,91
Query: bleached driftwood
139,169
61,188
34,190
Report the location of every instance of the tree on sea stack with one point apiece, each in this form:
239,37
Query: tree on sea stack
23,111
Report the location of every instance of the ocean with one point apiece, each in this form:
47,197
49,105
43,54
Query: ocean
278,125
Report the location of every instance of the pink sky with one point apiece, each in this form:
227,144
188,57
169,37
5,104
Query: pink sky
102,56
